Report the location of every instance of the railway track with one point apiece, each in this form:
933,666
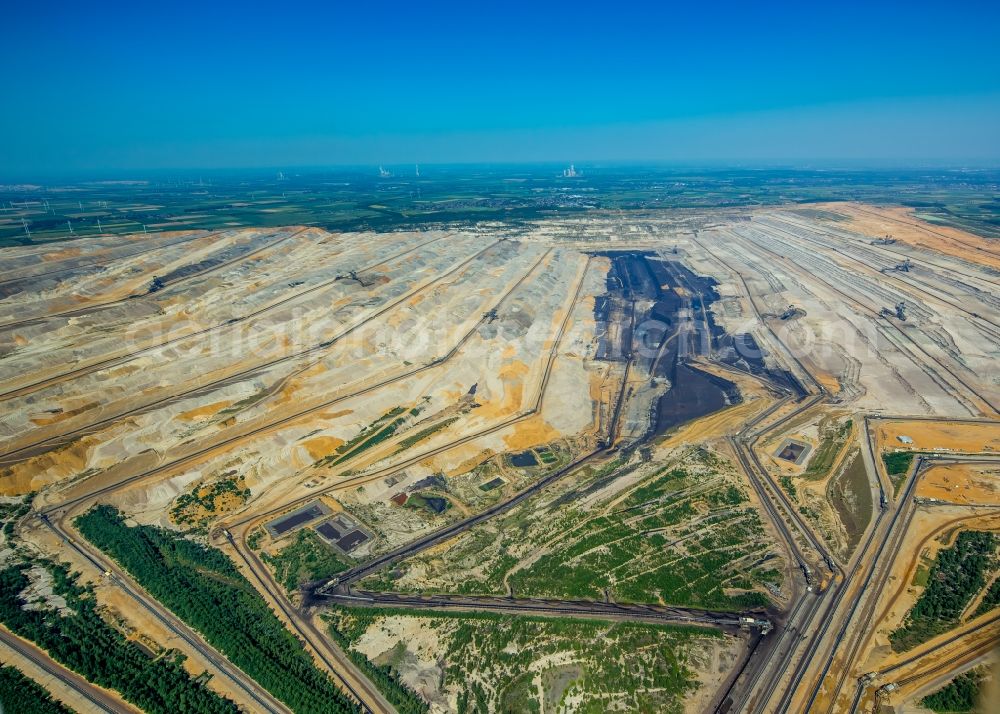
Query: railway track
788,356
96,697
863,588
875,311
953,239
206,450
888,252
834,606
535,408
956,662
801,616
863,683
729,701
988,327
728,621
448,532
242,682
902,336
75,312
128,357
799,621
305,629
46,444
921,652
926,652
371,700
113,259
302,624
342,582
894,541
828,602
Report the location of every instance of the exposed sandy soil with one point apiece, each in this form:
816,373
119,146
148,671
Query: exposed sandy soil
902,224
260,369
931,530
961,483
940,436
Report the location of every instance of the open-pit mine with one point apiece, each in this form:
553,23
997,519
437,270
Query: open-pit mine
699,460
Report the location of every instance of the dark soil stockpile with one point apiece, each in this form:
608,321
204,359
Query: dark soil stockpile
672,324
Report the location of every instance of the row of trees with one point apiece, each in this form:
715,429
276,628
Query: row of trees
85,643
960,695
404,699
204,589
24,696
957,575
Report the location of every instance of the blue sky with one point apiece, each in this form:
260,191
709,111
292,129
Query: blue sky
106,86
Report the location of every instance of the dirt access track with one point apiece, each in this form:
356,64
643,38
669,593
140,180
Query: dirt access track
281,365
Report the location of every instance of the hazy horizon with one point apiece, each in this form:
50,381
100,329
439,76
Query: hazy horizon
123,88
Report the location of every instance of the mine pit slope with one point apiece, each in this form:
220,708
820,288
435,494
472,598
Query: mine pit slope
753,452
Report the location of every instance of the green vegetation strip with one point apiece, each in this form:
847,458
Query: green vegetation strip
404,699
897,463
81,640
372,435
683,536
306,559
990,600
491,660
834,438
203,588
959,696
21,695
957,575
424,433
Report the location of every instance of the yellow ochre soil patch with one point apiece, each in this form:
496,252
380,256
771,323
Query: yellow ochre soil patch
929,533
63,254
530,432
714,425
905,227
970,437
333,415
827,380
961,483
202,412
464,465
47,419
512,376
43,470
320,446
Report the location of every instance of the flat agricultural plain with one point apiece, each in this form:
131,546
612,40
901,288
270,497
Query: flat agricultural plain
729,460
